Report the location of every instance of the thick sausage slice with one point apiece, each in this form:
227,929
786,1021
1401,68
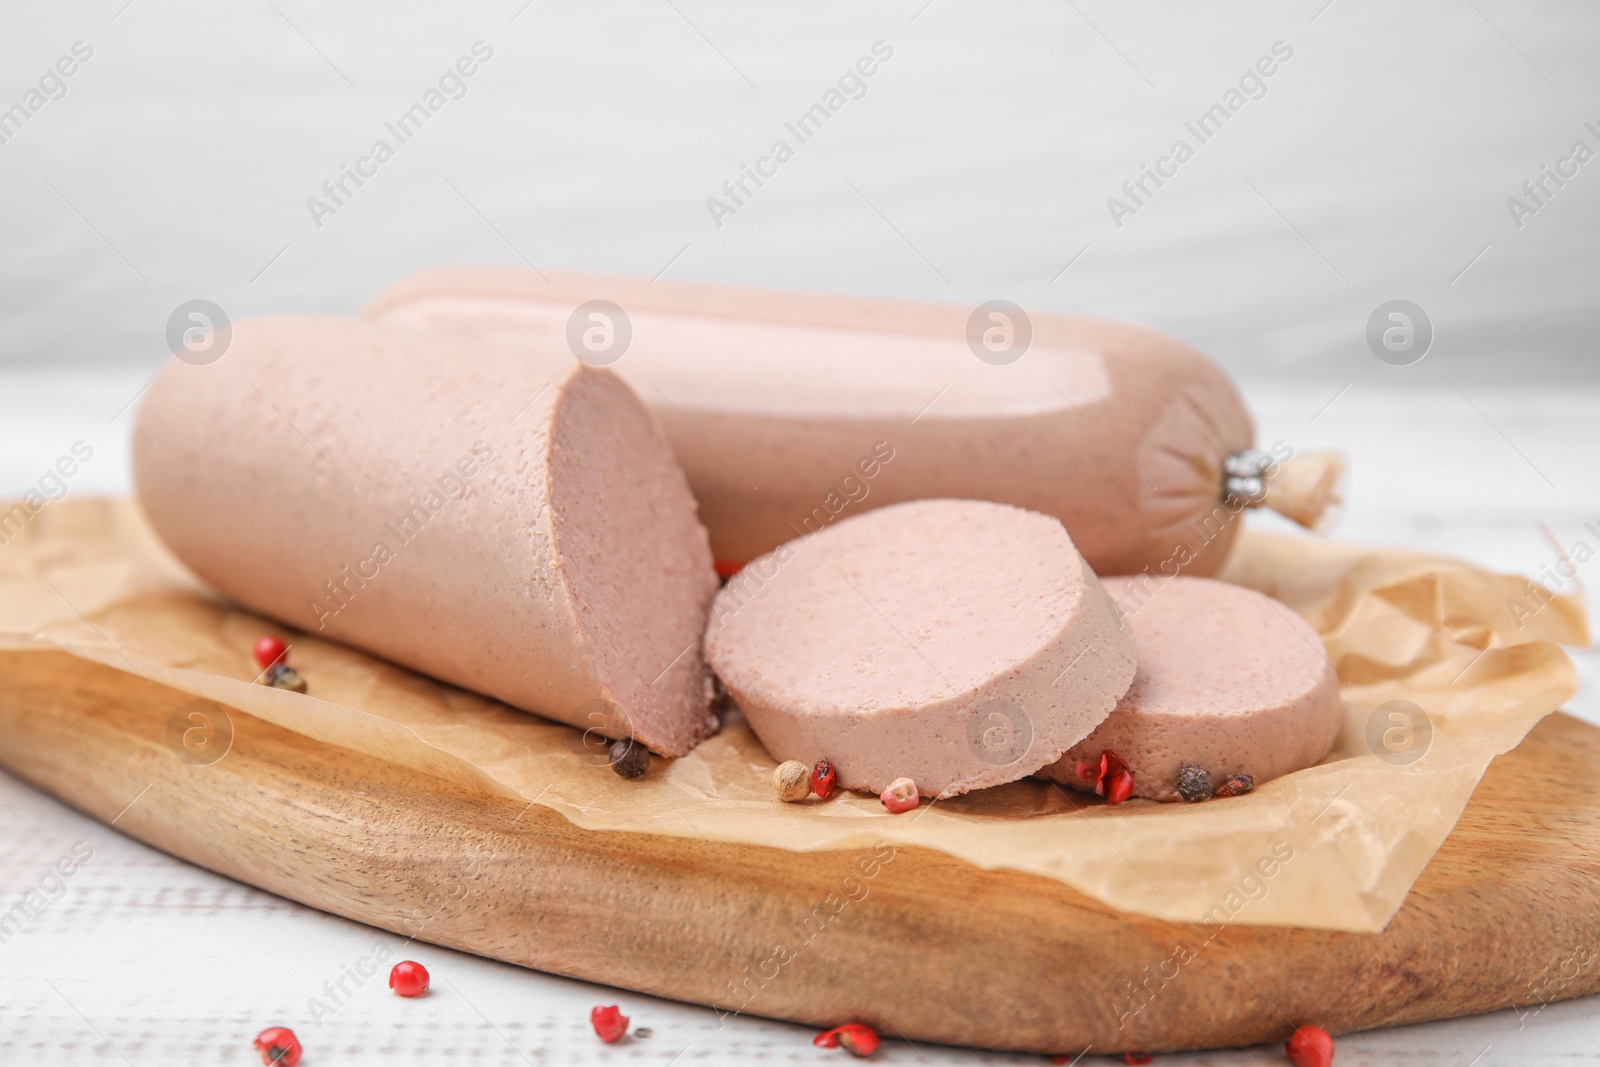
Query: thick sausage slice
955,642
789,412
512,524
1229,681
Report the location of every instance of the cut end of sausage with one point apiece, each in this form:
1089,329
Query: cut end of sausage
1229,680
637,564
959,643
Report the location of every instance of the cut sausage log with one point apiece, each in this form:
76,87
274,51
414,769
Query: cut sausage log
958,643
1229,681
511,524
789,412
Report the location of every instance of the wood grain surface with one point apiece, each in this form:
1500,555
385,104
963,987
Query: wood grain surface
919,944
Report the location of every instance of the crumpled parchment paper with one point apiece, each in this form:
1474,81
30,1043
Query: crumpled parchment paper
1336,846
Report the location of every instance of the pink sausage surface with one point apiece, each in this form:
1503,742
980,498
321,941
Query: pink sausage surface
513,525
1229,680
791,412
959,643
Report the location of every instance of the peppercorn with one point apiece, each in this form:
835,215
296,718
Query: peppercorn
1311,1046
900,795
1119,787
858,1039
792,780
1111,777
278,1047
270,650
629,758
609,1023
1236,786
822,778
408,978
1194,783
283,676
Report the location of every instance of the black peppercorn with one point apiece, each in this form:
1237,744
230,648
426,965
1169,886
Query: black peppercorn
283,676
1194,783
629,758
1236,786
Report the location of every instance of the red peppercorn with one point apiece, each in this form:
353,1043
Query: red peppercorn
609,1023
269,650
278,1047
1311,1046
1111,777
1136,1057
726,568
1236,786
858,1039
822,778
1119,787
409,978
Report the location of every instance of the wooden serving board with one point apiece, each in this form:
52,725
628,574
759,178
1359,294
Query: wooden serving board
1507,913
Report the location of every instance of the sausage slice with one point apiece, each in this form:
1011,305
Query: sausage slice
959,643
1229,680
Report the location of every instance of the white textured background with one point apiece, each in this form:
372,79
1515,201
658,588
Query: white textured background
977,166
1377,165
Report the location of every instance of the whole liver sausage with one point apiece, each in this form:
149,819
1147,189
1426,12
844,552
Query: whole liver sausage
778,405
959,643
1229,680
512,524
